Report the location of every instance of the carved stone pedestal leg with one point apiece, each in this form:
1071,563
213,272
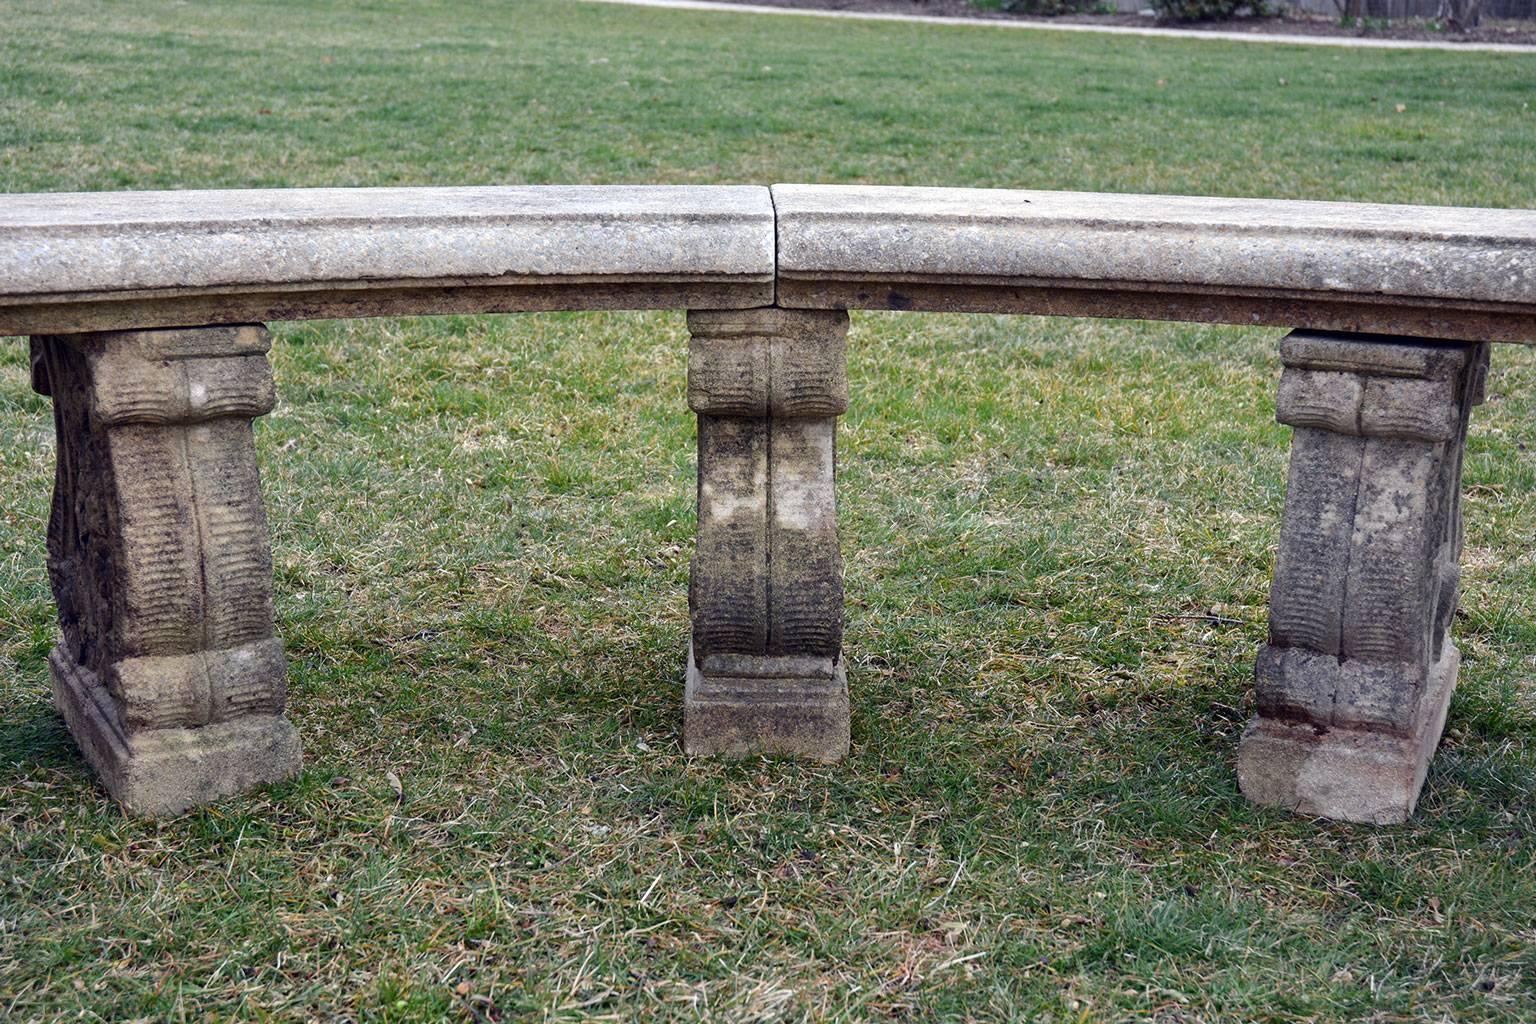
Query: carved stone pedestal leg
765,672
169,675
1354,684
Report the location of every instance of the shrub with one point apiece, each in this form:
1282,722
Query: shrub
1208,10
1049,7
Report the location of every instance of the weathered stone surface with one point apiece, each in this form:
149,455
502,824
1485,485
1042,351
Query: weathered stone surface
74,262
163,772
765,672
1353,686
168,673
1424,271
1363,775
798,714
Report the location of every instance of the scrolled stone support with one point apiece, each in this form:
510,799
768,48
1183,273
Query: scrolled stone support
169,674
1353,686
765,670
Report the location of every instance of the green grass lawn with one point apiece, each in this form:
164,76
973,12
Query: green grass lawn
482,527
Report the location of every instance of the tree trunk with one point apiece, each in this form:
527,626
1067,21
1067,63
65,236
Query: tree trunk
1461,15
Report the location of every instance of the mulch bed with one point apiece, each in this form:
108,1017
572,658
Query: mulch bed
1288,24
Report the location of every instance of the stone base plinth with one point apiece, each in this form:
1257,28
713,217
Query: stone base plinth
1347,774
162,772
739,716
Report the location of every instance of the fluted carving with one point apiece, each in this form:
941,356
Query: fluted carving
1353,684
169,672
765,670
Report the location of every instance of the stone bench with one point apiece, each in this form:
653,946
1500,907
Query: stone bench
146,309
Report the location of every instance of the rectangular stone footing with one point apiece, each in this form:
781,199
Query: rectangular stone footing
740,717
162,772
1347,774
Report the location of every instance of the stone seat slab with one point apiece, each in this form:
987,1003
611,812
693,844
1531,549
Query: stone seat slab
1423,271
77,262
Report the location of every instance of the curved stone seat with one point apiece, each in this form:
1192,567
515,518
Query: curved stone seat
74,262
1428,271
146,313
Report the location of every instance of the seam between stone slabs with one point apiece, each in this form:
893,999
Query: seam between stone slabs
773,208
1124,30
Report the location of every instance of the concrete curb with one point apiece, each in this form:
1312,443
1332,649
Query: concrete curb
1164,33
